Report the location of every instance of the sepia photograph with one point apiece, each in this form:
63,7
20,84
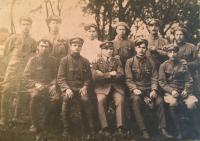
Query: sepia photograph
99,70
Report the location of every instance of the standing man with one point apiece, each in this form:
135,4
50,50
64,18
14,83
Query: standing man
91,49
60,44
19,48
122,45
187,51
74,76
142,81
40,77
156,43
108,77
176,81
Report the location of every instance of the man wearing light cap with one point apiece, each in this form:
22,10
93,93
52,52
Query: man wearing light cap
122,45
108,77
74,76
176,81
91,44
18,48
60,43
156,43
142,81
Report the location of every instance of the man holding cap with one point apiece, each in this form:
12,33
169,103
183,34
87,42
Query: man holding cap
108,75
176,81
142,81
18,48
156,43
74,76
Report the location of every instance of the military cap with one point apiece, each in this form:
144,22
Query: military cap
107,45
178,28
25,18
171,47
153,21
53,18
140,41
76,39
122,24
88,26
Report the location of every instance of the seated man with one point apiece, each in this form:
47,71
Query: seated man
176,81
108,77
142,80
74,75
40,75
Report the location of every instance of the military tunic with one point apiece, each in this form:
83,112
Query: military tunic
105,84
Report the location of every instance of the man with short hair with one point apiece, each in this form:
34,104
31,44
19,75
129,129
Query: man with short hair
19,48
142,81
176,81
40,79
74,76
108,75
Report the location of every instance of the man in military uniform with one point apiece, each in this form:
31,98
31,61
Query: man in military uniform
176,81
74,75
142,80
156,43
187,51
60,43
40,78
19,48
108,77
122,45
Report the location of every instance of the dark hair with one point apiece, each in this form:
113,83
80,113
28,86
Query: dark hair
45,41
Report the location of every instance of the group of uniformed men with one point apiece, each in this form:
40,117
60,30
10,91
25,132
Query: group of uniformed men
148,72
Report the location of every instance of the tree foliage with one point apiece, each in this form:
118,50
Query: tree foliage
167,11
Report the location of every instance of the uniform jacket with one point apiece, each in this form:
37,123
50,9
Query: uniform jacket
18,49
175,76
142,74
124,48
159,55
74,72
41,71
60,46
104,82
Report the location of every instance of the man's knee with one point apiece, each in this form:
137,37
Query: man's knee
136,99
191,102
101,98
170,100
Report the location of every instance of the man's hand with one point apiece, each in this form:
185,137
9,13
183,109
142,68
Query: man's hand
69,93
39,86
153,94
113,73
184,94
83,91
137,92
175,93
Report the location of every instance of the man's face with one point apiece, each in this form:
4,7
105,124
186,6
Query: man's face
54,26
172,55
91,33
153,28
25,26
44,48
75,48
107,52
179,36
121,31
141,50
